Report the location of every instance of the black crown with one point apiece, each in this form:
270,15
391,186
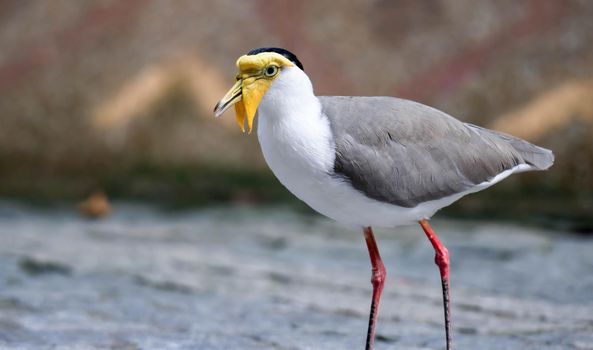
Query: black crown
289,55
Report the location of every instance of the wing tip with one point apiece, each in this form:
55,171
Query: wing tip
539,159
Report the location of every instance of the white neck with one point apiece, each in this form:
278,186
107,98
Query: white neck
291,91
296,139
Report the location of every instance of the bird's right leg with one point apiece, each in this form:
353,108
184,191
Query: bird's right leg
377,280
442,260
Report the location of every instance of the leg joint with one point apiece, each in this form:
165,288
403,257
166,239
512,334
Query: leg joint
379,275
442,257
442,260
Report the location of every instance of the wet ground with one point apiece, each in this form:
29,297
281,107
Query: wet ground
269,278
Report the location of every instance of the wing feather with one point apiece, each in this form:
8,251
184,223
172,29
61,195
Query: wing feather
405,153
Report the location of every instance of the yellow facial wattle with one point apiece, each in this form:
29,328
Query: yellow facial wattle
256,74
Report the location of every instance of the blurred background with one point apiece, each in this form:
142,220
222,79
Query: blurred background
106,111
116,96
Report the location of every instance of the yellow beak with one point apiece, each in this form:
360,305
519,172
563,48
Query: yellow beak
234,96
246,95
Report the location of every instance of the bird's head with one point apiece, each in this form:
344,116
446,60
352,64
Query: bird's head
257,71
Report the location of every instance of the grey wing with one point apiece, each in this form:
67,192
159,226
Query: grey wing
405,153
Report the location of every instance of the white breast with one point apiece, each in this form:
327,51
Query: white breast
297,144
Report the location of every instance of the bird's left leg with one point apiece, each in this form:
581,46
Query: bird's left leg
442,260
377,280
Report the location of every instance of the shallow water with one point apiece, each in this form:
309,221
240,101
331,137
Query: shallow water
270,278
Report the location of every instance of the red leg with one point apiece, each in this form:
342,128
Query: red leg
442,260
377,280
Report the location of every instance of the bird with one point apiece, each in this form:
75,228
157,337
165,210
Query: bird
370,161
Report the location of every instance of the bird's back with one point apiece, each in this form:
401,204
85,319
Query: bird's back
406,153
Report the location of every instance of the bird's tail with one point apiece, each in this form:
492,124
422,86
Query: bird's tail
538,158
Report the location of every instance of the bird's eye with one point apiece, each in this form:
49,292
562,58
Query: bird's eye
271,71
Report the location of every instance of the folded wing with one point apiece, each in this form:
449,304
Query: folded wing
406,153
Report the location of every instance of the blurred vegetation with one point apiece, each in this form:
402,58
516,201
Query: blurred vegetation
173,186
